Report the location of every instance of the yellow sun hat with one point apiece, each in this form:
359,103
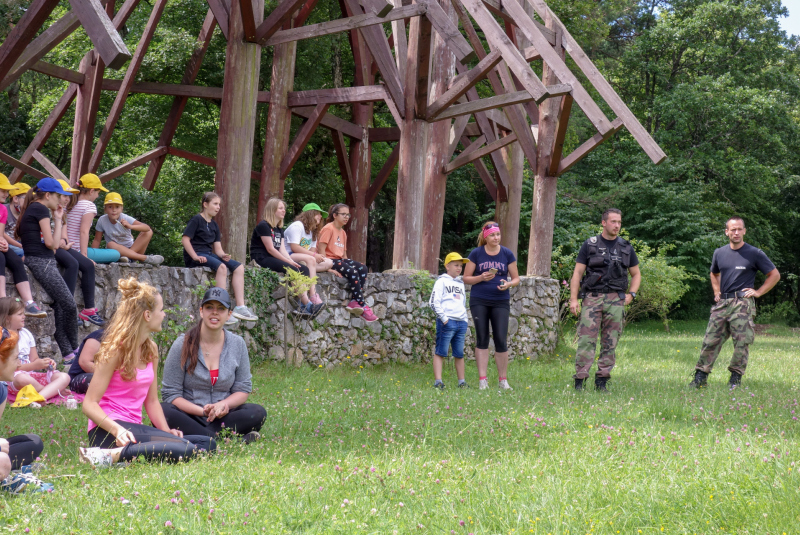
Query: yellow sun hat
113,198
26,396
67,187
4,183
454,257
20,188
91,181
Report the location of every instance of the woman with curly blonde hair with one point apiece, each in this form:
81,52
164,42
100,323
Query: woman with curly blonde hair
125,381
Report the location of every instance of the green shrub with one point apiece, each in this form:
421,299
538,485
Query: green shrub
784,313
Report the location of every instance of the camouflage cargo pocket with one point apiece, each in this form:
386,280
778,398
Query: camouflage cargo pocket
750,332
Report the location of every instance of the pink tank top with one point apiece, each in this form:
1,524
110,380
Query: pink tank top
123,400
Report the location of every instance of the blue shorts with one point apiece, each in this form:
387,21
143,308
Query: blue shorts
3,392
213,262
450,335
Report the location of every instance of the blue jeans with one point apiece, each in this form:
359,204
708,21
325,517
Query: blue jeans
213,262
449,335
16,249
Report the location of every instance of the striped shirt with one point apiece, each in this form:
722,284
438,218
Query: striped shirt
74,221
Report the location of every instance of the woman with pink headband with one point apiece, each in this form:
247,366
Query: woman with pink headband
489,269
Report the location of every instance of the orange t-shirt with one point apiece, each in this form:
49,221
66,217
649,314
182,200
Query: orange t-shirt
335,240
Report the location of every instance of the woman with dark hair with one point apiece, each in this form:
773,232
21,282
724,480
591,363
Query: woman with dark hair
207,377
332,243
491,270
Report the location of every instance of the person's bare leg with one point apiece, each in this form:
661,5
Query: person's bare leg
127,252
58,382
24,289
23,379
142,241
221,279
438,364
311,264
501,359
482,362
460,369
325,265
5,465
237,282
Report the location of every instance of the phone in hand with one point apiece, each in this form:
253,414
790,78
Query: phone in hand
493,271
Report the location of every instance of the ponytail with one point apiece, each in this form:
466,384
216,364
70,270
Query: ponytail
33,195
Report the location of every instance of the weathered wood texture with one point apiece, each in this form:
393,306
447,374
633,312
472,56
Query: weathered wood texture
102,32
464,84
24,168
49,166
23,32
204,160
468,156
136,162
221,10
86,115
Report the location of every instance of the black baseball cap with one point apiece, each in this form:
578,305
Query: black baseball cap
219,295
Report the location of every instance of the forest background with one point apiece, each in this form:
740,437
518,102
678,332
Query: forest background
714,81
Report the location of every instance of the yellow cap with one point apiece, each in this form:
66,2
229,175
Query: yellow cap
66,186
113,198
20,188
454,257
91,181
4,183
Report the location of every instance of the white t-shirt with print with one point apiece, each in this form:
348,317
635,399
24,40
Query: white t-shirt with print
296,233
26,342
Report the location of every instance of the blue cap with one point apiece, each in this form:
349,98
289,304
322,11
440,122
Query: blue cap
51,185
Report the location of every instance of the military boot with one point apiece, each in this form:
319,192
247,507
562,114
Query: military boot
735,380
700,379
600,383
579,384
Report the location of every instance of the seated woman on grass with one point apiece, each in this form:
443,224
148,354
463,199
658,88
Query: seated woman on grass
117,227
125,381
82,368
207,377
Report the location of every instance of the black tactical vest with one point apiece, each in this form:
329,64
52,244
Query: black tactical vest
606,273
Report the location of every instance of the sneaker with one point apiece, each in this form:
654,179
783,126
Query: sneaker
354,308
97,457
600,383
483,384
303,309
35,405
123,260
244,313
317,300
21,482
735,380
700,379
579,384
438,384
231,321
504,385
250,437
368,315
90,315
66,361
152,259
316,308
34,468
33,310
463,384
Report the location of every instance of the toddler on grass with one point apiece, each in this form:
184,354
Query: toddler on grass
449,300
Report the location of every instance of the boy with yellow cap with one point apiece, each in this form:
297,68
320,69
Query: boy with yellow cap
449,301
117,226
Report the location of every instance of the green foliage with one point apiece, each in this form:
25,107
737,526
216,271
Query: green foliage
784,313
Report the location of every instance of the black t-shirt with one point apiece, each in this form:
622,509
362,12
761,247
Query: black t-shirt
605,247
75,370
202,235
266,230
738,268
30,233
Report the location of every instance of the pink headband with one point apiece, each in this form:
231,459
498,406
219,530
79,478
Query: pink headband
490,230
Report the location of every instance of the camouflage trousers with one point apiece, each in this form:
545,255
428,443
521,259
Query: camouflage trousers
729,318
602,314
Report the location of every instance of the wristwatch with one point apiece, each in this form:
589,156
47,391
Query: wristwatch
633,294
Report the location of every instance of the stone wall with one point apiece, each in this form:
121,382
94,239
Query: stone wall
404,332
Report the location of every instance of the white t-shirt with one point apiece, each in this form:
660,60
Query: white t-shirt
296,233
74,218
26,342
115,231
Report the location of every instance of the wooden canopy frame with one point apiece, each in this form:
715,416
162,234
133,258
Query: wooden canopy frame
428,67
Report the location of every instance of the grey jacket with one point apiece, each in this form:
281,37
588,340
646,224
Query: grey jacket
234,374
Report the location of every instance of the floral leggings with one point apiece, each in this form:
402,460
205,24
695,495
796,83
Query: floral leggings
356,275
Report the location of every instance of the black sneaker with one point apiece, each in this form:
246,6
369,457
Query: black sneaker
579,384
700,379
250,437
463,384
439,385
316,309
735,380
600,383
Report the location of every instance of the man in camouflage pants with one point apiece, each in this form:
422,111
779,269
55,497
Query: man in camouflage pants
601,280
733,275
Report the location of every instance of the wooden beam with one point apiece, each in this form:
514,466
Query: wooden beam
587,146
342,95
464,159
456,131
305,12
179,103
62,73
302,139
498,8
332,122
102,32
136,162
464,83
561,133
383,175
86,106
35,173
483,172
377,135
204,160
343,160
531,54
49,166
23,32
400,40
479,142
344,25
379,7
173,90
221,14
508,99
423,59
127,82
275,20
449,32
248,20
497,116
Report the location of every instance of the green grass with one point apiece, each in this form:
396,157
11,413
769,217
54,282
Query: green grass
377,450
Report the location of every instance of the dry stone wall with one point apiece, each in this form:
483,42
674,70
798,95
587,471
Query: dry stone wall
404,332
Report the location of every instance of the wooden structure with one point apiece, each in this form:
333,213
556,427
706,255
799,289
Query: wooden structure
423,58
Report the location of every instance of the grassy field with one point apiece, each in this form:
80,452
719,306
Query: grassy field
377,450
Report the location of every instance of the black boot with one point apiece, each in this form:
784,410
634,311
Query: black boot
579,384
700,379
600,383
735,380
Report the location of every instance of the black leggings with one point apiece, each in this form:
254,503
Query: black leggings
11,260
356,275
152,443
73,261
45,270
277,265
243,419
24,449
80,383
485,313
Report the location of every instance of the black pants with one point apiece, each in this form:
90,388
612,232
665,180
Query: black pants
73,261
24,449
356,275
64,309
152,443
243,419
80,383
277,265
12,261
484,313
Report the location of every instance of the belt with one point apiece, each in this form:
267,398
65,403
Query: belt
732,295
598,294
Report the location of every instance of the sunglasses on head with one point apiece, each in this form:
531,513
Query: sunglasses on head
491,225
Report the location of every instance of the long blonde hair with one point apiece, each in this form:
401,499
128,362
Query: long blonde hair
120,335
269,212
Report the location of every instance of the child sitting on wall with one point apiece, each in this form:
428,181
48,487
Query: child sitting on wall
117,226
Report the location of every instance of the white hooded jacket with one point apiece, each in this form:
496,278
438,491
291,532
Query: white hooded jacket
449,298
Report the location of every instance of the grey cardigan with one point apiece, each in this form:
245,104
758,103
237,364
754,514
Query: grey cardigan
234,374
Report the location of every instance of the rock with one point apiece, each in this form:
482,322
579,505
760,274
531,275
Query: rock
276,353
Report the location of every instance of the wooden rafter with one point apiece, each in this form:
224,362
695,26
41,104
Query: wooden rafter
221,14
49,166
275,20
248,19
377,135
463,84
302,139
499,101
449,33
383,175
102,32
23,32
10,160
136,162
483,172
588,146
464,159
343,159
332,122
204,160
456,131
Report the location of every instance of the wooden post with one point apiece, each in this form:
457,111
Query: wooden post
86,105
236,131
443,68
